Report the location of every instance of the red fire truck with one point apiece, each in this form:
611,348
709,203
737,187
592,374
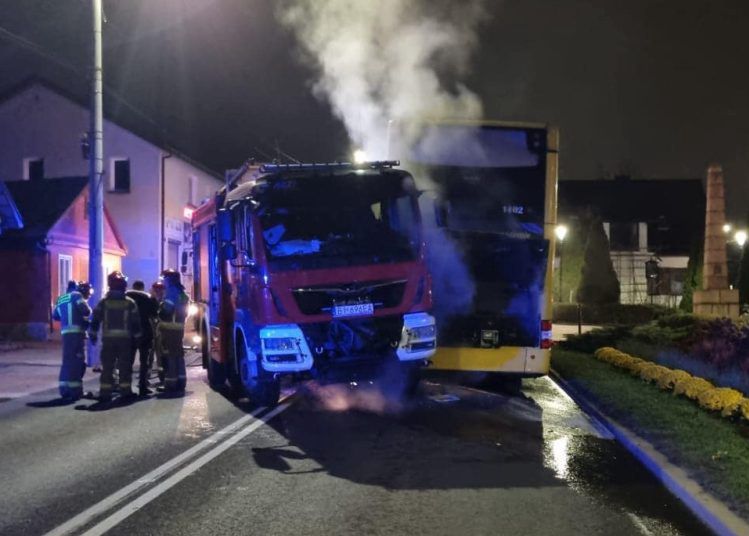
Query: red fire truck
312,270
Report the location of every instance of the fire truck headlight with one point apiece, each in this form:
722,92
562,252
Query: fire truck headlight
192,309
279,344
423,332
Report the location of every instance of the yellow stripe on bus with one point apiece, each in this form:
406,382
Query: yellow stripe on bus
506,359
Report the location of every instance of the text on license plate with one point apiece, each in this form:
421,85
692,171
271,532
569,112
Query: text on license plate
359,309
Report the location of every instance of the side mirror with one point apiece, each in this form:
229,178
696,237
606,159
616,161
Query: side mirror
225,226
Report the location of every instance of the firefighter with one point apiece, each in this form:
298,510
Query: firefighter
157,293
148,307
172,314
72,311
92,350
117,315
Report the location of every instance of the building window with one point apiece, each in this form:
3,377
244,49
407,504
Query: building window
121,175
33,169
64,272
172,255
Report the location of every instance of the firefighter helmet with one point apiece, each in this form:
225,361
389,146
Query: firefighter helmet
84,287
171,277
117,281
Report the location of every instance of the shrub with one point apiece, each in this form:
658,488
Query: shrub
668,381
723,399
609,313
692,387
593,340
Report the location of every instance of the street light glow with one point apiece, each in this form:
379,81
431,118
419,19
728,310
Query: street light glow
740,238
561,232
727,228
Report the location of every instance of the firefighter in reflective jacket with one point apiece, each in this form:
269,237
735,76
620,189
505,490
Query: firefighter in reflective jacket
172,314
120,331
72,311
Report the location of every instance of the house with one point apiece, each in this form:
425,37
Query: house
644,219
48,248
148,185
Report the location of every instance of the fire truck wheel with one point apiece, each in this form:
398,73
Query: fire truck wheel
216,374
254,382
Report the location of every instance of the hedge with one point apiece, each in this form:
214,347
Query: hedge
610,313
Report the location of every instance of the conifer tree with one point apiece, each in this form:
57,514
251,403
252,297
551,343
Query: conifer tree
598,281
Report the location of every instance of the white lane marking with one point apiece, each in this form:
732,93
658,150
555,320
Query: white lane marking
110,502
598,426
135,505
640,524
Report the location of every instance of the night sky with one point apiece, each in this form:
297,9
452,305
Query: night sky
642,87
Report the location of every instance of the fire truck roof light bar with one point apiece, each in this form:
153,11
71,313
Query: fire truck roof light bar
379,164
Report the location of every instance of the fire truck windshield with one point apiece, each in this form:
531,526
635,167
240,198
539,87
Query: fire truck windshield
312,223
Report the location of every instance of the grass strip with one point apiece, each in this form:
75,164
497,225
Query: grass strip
714,451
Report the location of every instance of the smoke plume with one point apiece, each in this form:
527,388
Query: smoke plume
388,62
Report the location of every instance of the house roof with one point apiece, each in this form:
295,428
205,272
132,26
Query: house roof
10,218
136,121
643,200
42,203
674,209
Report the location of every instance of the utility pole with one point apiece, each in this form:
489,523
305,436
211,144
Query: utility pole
96,163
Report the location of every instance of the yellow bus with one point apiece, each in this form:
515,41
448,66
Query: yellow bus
493,208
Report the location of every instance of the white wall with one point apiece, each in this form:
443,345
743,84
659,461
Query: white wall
41,123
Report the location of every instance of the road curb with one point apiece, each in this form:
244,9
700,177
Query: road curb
711,511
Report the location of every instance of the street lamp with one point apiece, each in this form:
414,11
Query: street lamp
727,228
740,238
561,232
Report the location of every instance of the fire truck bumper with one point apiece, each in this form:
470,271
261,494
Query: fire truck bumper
418,338
284,349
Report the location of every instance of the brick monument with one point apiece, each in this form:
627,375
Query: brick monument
715,299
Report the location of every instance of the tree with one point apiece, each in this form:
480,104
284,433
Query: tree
598,281
573,252
693,276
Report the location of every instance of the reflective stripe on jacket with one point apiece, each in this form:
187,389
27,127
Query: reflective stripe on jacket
72,311
173,310
117,315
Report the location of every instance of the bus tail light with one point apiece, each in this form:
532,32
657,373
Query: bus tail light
546,341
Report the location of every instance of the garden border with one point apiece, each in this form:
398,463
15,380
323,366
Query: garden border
711,511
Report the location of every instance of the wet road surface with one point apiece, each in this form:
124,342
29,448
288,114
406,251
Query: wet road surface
335,460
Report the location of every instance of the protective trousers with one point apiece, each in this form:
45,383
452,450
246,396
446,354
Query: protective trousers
173,354
73,365
144,357
116,351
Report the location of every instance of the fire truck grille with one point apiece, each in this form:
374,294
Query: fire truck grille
321,299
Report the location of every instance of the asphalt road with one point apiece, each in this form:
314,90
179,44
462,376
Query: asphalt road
334,460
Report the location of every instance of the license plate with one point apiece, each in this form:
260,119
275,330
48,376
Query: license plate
359,309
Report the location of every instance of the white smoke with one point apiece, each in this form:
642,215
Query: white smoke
383,62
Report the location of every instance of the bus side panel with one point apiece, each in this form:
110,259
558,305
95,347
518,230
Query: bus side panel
505,359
